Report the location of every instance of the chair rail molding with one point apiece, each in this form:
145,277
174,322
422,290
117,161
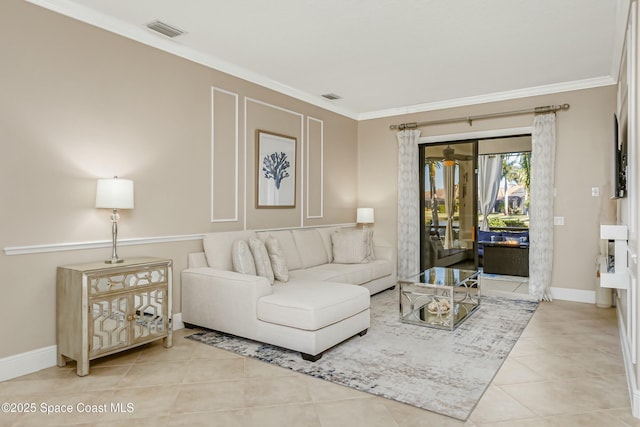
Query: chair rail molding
60,247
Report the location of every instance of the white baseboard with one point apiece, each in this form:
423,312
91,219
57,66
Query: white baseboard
28,362
575,295
46,357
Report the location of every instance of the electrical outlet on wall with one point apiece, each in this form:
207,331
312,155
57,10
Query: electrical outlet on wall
558,220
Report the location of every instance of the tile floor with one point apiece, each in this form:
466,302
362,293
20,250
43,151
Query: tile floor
566,370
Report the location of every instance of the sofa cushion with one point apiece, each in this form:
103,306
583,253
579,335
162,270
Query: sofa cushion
380,268
278,261
312,305
321,273
217,247
261,259
288,246
310,247
351,246
242,259
354,274
325,233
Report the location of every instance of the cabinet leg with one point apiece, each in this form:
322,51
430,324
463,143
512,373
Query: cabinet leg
62,360
83,369
167,341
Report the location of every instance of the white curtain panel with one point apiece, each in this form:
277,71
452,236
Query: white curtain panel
489,174
543,153
408,203
449,203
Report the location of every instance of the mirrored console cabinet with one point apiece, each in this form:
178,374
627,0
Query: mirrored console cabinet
106,308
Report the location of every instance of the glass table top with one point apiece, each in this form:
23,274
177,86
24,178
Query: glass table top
442,276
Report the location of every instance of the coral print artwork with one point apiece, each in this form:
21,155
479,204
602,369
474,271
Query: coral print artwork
276,170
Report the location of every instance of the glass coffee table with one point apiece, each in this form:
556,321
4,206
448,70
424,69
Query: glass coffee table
439,297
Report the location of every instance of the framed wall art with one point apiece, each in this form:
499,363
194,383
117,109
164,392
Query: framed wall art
275,170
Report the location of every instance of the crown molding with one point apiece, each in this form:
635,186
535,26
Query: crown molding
492,97
145,36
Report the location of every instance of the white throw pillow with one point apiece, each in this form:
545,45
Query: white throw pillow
351,247
278,261
261,258
241,258
372,255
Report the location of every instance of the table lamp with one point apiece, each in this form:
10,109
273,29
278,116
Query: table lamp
114,193
364,216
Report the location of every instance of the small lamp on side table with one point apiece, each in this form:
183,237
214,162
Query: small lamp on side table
114,193
364,216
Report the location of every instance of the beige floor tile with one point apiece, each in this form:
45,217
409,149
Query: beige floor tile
570,396
162,373
410,416
303,415
496,405
589,419
207,397
205,370
236,418
277,391
366,412
514,372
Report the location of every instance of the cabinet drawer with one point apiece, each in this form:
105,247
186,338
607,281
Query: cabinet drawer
100,283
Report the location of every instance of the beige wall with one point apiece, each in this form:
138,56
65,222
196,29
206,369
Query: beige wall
79,103
584,135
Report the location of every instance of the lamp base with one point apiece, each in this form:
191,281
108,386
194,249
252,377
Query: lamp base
114,261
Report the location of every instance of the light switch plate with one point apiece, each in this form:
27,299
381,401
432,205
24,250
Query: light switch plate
558,220
595,191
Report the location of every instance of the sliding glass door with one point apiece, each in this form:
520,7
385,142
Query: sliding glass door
449,204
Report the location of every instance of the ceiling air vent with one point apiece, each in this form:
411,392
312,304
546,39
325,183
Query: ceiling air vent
331,96
165,29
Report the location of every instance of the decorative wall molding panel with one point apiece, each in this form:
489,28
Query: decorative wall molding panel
315,168
224,151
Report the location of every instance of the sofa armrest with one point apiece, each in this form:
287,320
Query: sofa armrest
382,249
222,300
197,260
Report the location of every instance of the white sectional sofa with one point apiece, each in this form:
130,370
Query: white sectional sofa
324,301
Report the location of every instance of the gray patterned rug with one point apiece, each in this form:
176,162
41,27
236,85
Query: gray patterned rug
441,371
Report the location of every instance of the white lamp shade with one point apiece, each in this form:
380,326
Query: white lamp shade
114,193
364,215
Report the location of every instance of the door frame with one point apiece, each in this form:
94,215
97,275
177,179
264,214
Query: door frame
476,136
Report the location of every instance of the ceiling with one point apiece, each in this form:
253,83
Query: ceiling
384,57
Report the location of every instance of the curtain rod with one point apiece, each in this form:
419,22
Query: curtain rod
470,119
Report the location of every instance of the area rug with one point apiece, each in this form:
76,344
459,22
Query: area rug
437,370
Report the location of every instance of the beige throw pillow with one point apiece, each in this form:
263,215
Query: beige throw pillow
372,255
241,258
351,247
278,261
261,258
